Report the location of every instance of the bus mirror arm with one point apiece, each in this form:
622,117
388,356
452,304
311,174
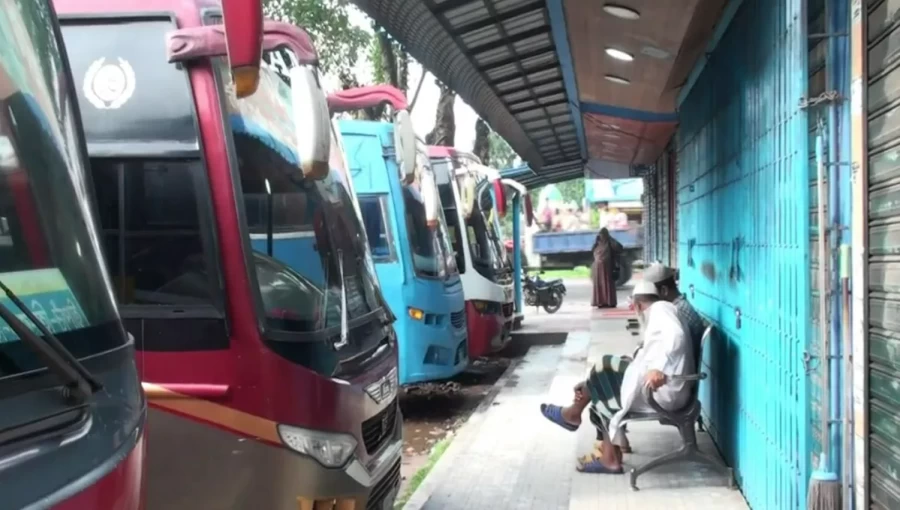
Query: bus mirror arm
186,44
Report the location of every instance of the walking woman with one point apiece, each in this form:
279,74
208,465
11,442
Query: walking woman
606,251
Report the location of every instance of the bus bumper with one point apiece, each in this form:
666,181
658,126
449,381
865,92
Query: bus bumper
203,467
486,331
429,353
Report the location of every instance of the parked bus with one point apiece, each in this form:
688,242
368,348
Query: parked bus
408,236
487,284
72,430
269,386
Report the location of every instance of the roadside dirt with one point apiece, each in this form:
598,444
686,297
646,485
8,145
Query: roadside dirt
433,411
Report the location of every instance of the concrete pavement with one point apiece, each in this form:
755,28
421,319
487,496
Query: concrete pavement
508,456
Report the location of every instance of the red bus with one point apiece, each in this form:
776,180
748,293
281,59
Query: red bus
271,385
73,420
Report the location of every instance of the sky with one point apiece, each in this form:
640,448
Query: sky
423,113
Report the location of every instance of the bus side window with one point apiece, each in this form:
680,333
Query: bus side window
374,210
161,259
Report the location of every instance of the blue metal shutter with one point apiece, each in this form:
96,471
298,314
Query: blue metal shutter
743,205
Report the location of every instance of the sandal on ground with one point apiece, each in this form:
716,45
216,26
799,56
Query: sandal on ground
598,447
598,451
594,466
554,413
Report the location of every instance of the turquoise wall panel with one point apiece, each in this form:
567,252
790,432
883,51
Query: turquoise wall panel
743,198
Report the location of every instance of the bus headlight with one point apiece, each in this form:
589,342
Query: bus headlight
330,450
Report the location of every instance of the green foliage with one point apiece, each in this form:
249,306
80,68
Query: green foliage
339,43
572,191
419,476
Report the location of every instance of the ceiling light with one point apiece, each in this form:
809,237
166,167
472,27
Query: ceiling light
650,51
617,79
621,12
619,55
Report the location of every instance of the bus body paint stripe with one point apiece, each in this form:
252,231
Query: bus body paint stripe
214,414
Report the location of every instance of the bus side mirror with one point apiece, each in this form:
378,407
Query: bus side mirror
427,184
529,211
499,197
312,122
429,198
467,195
405,146
244,39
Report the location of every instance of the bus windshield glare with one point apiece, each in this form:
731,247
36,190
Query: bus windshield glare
321,251
49,250
430,246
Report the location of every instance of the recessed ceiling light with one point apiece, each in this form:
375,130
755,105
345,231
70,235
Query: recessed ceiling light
619,55
617,79
621,12
650,51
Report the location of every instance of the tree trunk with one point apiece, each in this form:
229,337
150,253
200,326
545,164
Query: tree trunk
482,147
444,132
388,58
402,70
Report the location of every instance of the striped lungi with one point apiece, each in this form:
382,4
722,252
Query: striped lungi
605,386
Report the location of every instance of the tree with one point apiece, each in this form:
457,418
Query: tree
390,65
444,132
482,145
339,43
502,155
572,190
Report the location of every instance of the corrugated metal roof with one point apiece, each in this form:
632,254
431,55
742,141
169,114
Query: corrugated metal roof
500,57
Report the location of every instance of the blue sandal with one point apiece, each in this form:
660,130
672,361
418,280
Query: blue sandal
594,466
554,414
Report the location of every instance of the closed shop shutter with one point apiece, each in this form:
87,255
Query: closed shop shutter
884,252
662,225
743,205
645,217
673,207
650,229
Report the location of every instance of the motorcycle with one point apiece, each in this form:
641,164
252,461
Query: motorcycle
549,295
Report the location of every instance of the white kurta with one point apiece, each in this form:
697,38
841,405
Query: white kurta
666,347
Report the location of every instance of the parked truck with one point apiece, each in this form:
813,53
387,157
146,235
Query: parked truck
567,250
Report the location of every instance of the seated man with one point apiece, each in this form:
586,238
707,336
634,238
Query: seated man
664,279
617,385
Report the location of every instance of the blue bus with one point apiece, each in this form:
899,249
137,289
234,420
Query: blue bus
413,256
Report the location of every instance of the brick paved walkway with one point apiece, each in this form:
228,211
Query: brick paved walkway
509,457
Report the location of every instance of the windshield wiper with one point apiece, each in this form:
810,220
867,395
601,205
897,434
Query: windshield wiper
344,326
76,377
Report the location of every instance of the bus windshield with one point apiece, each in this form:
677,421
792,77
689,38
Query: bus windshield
430,246
315,228
451,217
485,256
493,231
49,249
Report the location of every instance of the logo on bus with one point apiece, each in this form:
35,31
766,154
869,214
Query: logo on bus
108,86
384,389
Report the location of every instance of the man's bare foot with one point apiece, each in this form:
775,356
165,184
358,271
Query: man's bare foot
608,461
598,449
571,415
